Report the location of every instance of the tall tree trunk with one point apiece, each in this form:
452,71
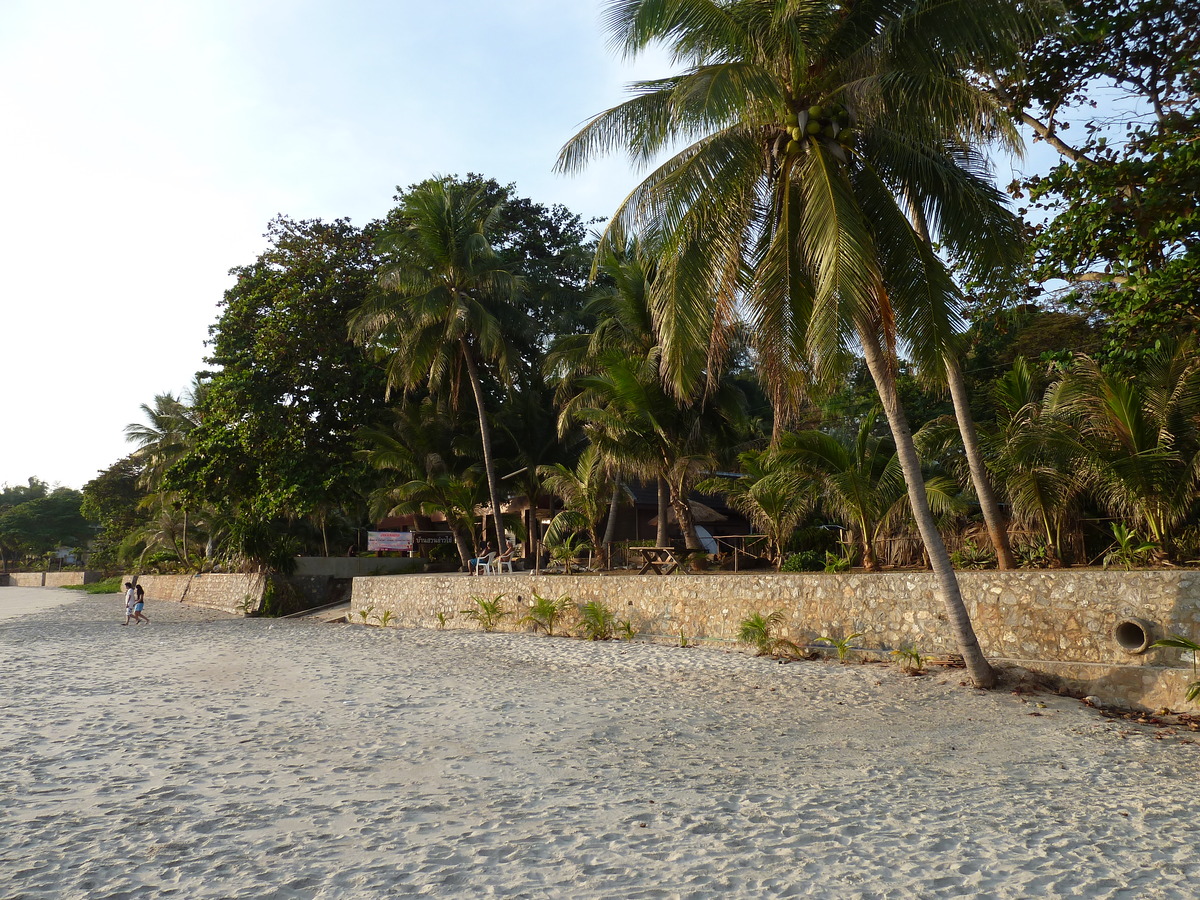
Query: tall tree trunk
870,563
485,436
610,529
186,561
980,478
883,372
661,539
687,522
462,545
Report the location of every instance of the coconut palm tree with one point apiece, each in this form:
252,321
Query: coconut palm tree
585,490
1036,453
628,413
619,305
165,436
771,495
810,128
860,481
446,299
1141,437
421,447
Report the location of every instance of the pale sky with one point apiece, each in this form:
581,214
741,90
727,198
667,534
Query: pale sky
147,143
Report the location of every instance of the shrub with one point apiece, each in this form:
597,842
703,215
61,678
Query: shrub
804,561
545,613
842,645
488,613
759,630
107,586
597,621
972,556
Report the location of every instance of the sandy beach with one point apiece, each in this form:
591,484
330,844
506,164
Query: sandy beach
205,756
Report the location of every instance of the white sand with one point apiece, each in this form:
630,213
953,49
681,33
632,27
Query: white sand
204,756
22,601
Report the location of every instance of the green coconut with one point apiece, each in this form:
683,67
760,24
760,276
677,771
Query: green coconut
793,146
813,128
816,112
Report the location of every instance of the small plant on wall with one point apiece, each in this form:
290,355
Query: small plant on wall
545,613
843,645
597,621
762,633
910,659
487,613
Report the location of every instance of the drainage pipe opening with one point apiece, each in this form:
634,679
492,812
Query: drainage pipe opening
1134,635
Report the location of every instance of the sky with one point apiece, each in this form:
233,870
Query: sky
147,144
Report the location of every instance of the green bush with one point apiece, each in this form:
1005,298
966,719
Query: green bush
805,561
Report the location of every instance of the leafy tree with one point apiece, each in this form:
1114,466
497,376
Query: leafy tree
1121,209
37,526
289,388
112,500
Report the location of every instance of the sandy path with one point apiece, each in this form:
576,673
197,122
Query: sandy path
205,757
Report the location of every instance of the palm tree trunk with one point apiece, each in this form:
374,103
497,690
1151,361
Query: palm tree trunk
883,370
610,529
687,522
664,506
462,545
485,436
980,478
186,562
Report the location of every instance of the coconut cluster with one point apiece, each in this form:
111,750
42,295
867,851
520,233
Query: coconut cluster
831,122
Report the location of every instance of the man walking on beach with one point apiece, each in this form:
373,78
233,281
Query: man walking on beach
130,601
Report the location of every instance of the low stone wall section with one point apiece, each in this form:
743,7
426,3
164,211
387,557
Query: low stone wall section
1060,623
50,579
232,593
27,579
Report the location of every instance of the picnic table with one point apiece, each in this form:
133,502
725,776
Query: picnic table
660,560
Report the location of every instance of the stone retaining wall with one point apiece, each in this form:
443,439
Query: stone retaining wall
1057,622
231,593
27,579
49,579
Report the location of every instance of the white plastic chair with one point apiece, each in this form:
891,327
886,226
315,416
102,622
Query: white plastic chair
484,567
501,563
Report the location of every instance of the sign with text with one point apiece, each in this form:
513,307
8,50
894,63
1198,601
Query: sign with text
389,540
433,537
